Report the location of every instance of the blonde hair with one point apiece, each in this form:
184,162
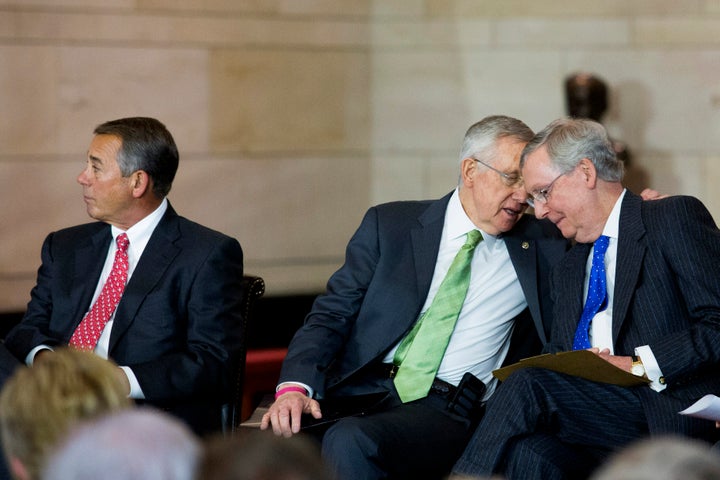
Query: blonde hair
39,404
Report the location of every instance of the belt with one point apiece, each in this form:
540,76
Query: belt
438,387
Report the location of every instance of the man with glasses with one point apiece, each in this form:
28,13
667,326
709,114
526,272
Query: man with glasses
640,289
395,263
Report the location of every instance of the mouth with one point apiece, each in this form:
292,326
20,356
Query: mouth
513,212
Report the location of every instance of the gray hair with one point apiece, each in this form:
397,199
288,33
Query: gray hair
662,458
481,138
146,145
137,444
569,140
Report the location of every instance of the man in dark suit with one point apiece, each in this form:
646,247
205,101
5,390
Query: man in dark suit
394,265
176,329
656,315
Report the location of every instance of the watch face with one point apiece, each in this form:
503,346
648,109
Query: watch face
638,370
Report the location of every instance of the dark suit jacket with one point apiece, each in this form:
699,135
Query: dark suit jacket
667,296
178,323
375,297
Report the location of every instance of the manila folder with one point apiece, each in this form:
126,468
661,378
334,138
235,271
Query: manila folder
580,363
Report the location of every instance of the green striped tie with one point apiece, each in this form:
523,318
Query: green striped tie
421,351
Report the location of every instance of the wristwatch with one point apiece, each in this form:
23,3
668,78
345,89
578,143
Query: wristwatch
637,368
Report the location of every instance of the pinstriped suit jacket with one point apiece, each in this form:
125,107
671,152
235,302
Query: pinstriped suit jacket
667,296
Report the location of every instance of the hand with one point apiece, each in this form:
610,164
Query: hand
285,413
40,354
650,194
123,379
623,363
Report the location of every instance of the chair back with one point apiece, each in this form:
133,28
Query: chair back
253,287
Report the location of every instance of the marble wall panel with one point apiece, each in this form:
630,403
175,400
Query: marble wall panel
160,28
62,4
398,177
42,196
560,8
419,100
289,100
662,100
287,7
550,33
433,34
28,93
57,95
102,83
677,32
290,214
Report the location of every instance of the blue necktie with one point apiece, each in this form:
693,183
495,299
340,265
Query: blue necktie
597,294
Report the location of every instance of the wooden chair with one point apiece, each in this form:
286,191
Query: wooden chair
253,288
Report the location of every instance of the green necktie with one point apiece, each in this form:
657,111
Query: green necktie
421,351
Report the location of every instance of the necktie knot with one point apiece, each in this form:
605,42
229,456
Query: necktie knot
122,242
473,238
601,245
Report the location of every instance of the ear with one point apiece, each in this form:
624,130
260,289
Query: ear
140,183
468,169
588,173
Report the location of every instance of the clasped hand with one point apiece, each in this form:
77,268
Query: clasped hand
624,363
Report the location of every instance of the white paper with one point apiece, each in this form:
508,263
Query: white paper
707,407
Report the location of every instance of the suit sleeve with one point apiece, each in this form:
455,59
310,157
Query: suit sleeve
196,359
690,243
35,328
331,320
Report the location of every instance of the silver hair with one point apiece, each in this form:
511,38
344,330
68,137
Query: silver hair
136,444
569,140
481,138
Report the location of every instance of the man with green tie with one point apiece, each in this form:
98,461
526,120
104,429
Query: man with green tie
431,299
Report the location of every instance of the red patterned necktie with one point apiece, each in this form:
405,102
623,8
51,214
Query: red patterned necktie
88,332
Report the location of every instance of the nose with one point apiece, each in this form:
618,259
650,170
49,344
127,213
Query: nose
519,194
541,209
82,178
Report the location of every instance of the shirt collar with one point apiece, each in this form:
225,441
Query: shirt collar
139,234
612,225
458,224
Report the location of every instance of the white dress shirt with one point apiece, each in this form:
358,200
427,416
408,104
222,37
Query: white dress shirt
481,337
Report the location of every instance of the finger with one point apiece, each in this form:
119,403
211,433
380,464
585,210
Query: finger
315,410
284,419
265,421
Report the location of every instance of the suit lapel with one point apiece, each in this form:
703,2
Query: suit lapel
523,254
630,254
426,244
569,286
158,255
88,264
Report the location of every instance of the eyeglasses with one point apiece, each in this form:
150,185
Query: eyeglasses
509,179
542,196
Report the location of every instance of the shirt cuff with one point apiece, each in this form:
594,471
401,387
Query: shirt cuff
652,369
31,356
299,384
135,390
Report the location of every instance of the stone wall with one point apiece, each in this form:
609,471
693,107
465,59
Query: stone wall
294,116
